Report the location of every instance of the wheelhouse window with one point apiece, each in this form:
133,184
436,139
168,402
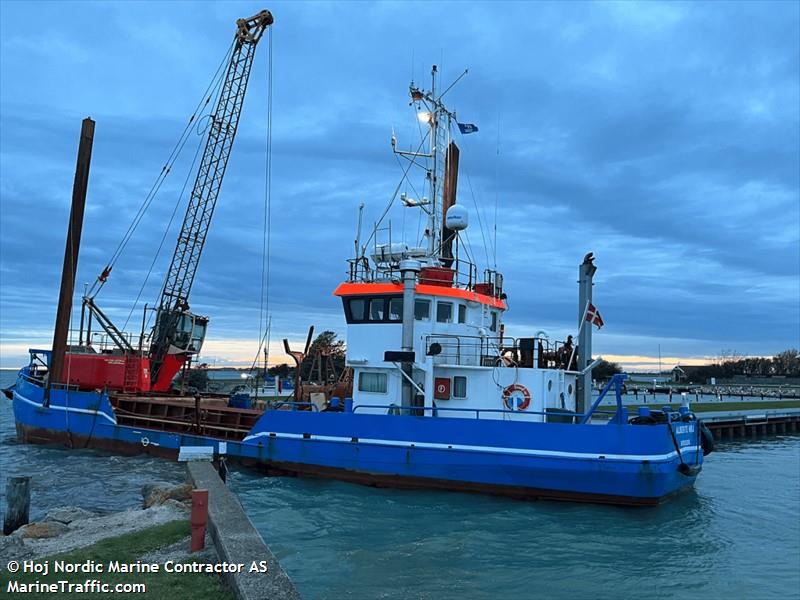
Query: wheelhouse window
422,310
376,309
459,386
358,309
373,309
444,312
395,309
374,383
462,313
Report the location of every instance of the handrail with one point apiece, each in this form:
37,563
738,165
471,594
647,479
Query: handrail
465,273
477,411
41,382
542,353
428,342
33,380
616,380
463,349
98,342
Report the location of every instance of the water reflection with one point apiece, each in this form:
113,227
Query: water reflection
89,478
707,542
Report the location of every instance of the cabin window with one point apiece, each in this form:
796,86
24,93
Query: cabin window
374,383
396,309
376,308
462,313
493,326
444,312
198,335
459,387
358,307
422,310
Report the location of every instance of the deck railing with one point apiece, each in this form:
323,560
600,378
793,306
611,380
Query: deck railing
461,274
489,351
421,410
618,416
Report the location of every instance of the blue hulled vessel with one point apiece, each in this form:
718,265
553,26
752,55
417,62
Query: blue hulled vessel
439,395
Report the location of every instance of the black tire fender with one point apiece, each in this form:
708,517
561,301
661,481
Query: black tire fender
706,438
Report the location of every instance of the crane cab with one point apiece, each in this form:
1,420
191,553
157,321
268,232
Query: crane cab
180,331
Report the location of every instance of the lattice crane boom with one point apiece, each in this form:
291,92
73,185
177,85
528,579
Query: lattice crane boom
177,331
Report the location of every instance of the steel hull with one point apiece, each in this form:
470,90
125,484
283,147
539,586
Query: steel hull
616,464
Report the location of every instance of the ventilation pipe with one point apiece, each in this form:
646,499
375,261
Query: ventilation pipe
408,270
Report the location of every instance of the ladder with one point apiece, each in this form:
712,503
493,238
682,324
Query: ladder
132,368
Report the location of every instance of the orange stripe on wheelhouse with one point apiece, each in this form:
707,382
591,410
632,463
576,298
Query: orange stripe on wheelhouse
364,289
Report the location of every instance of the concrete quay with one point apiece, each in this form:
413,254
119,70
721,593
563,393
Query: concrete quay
730,425
238,541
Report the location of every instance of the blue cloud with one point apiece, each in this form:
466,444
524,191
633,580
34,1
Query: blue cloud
663,136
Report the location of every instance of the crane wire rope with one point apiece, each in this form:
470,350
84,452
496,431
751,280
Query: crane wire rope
164,236
215,92
210,91
263,336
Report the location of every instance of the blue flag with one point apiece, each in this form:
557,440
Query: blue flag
466,128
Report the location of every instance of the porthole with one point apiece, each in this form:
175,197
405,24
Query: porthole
550,385
569,389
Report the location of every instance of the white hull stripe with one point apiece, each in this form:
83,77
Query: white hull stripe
470,448
86,411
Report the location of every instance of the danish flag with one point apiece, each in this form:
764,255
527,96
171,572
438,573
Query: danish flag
593,315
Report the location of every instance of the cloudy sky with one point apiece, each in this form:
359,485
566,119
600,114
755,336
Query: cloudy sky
665,137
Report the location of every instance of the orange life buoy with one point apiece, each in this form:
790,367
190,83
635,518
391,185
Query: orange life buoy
516,387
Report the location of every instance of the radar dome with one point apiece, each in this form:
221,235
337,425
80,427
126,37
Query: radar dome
457,218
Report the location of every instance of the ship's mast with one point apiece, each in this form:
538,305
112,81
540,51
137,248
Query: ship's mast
439,119
433,221
438,165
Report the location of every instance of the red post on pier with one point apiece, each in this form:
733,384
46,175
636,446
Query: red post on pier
199,519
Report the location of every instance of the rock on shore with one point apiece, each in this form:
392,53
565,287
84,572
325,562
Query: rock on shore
69,527
159,493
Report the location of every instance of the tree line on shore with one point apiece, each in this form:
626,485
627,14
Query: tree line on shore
783,364
727,366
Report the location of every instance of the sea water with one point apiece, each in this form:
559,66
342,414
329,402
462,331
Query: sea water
736,535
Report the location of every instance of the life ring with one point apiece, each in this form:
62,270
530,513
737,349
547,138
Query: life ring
516,387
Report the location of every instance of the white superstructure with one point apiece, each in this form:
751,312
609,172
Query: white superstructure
448,355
